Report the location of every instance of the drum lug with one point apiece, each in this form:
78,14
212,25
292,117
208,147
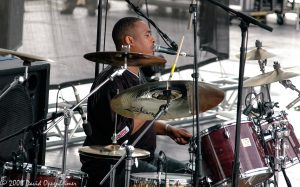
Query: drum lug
226,133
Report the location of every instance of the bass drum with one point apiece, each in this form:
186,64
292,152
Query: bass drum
218,144
150,179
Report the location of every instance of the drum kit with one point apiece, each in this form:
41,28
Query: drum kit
268,142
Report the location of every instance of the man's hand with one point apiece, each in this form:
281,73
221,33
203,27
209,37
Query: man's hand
180,136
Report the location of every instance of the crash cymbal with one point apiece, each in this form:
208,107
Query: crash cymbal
24,56
144,101
117,58
273,76
111,151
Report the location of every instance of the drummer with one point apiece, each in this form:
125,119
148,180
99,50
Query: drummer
133,32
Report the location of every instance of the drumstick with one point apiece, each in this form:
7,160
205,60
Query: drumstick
176,59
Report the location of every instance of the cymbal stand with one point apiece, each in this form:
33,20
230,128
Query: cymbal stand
262,64
281,133
129,149
68,113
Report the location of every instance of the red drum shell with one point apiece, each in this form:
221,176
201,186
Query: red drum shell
218,144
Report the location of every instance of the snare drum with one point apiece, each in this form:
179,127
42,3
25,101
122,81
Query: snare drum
218,143
21,175
150,179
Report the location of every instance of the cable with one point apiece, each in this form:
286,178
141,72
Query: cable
287,180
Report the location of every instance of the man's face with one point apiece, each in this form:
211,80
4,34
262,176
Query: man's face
142,39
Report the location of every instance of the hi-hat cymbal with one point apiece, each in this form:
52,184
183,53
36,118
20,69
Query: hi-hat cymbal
111,151
258,54
144,101
117,58
24,56
273,76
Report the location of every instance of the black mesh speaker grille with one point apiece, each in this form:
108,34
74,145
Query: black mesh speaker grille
15,113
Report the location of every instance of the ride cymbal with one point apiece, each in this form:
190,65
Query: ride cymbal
117,58
24,56
111,151
273,76
144,101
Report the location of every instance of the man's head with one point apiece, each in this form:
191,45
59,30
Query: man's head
134,32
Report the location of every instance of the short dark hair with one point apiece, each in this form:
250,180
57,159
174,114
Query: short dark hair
122,28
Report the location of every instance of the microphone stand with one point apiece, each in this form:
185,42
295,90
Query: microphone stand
98,40
129,149
198,173
163,35
245,21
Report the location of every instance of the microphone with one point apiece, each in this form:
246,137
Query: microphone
85,124
171,51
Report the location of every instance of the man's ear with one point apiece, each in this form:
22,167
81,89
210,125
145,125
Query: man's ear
129,40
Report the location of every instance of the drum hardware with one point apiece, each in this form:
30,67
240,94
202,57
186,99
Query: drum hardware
226,132
161,167
289,84
280,144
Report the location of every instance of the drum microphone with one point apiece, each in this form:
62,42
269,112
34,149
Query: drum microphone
85,124
170,51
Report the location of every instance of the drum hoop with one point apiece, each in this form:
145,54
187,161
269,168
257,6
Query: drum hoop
144,176
219,126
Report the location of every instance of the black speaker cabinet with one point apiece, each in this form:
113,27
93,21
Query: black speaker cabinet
11,23
23,106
